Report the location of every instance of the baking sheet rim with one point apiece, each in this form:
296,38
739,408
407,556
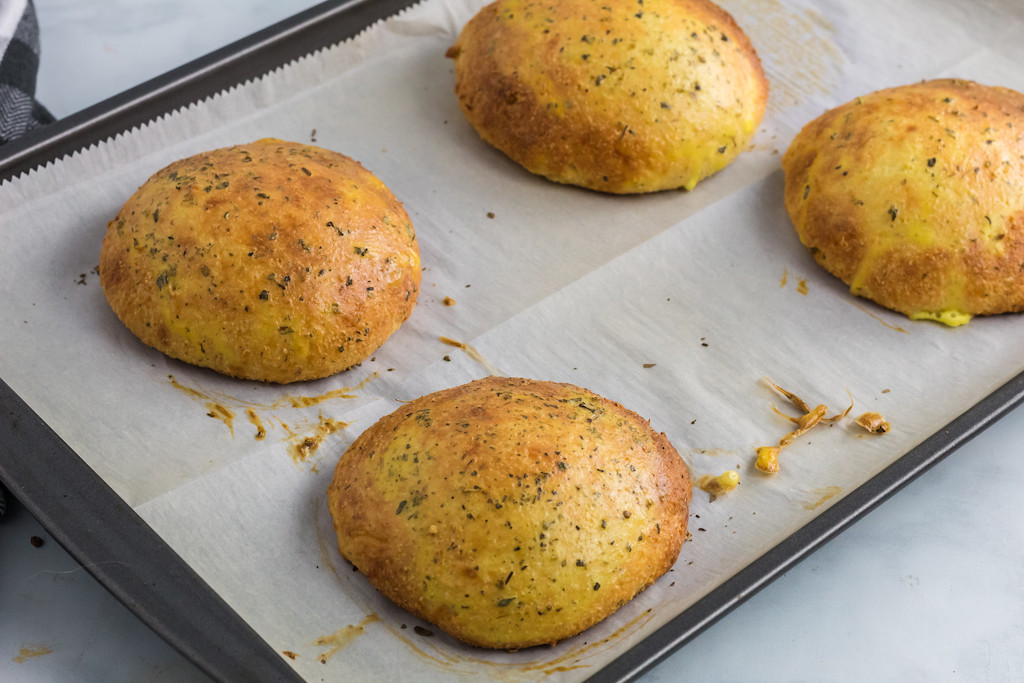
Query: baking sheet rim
250,58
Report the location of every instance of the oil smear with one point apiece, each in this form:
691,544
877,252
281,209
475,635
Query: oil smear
303,446
897,328
824,495
262,416
342,637
797,47
27,652
474,354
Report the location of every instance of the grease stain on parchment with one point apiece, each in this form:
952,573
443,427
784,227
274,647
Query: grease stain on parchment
472,353
342,637
823,496
897,328
573,659
27,652
797,48
303,436
303,446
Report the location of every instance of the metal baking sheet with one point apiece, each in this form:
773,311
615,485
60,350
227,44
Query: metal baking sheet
94,524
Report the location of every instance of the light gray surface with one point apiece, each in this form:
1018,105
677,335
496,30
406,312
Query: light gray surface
928,587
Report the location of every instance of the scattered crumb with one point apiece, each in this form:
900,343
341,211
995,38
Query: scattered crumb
447,358
873,422
36,542
289,654
448,301
720,485
490,214
768,456
649,365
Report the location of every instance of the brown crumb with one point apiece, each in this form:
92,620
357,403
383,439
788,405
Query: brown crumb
649,365
768,456
289,654
720,485
36,542
490,214
448,301
874,423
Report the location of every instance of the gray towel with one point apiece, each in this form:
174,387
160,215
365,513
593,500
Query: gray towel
19,64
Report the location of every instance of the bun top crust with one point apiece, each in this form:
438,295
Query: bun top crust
271,261
914,196
616,97
511,512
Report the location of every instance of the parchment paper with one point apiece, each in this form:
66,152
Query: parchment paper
675,304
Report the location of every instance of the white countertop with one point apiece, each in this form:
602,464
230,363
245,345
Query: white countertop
928,587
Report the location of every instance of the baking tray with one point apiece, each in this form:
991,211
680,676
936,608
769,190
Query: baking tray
86,517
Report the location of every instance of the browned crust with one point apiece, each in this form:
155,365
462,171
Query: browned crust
619,98
913,196
511,512
271,261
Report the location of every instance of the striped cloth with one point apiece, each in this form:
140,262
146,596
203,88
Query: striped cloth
19,63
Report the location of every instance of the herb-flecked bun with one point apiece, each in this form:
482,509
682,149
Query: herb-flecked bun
914,197
271,261
621,97
511,512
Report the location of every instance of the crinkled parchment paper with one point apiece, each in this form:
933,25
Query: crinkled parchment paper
675,304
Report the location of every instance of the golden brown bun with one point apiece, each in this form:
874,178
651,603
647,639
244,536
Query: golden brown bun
271,261
618,97
511,512
914,196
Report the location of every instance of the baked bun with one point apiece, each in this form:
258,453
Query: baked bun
914,197
617,97
511,512
271,261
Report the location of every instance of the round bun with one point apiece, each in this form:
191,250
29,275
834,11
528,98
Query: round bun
616,97
511,512
914,197
271,261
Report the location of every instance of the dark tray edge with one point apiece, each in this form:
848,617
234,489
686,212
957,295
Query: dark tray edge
114,544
